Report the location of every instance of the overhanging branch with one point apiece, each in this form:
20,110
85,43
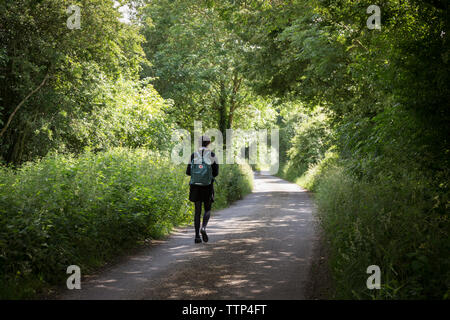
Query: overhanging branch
22,102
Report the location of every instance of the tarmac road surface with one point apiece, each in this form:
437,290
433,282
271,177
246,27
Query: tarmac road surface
261,247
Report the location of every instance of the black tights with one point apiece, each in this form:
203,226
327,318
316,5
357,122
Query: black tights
198,212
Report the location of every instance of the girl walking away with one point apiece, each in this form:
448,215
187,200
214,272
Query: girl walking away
202,169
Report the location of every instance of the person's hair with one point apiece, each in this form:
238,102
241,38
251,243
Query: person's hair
204,141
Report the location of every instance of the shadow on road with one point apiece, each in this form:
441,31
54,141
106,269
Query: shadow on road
260,248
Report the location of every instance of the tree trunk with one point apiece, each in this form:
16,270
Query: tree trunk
223,114
233,103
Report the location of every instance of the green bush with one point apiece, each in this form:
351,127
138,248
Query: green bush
303,154
233,182
308,179
395,219
390,224
310,142
64,210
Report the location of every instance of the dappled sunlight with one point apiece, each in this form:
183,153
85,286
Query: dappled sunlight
108,281
257,246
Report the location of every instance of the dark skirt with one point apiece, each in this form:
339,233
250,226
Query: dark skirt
201,193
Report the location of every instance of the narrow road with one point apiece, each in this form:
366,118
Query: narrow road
260,247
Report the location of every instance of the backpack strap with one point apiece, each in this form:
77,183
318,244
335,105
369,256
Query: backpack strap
195,156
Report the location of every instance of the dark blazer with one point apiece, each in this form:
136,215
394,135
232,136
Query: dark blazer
203,193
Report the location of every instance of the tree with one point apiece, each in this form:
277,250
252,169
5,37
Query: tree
50,73
196,61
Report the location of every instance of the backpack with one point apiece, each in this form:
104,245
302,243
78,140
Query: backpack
201,171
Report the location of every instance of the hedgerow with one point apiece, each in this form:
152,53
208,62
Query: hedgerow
65,210
392,225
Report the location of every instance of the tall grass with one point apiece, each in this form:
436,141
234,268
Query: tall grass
396,223
392,225
83,210
307,177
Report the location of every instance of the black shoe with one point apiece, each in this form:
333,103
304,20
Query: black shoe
204,235
198,240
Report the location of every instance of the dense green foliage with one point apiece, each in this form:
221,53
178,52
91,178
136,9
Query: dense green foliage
83,210
392,225
73,102
92,97
383,190
363,117
233,182
198,61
